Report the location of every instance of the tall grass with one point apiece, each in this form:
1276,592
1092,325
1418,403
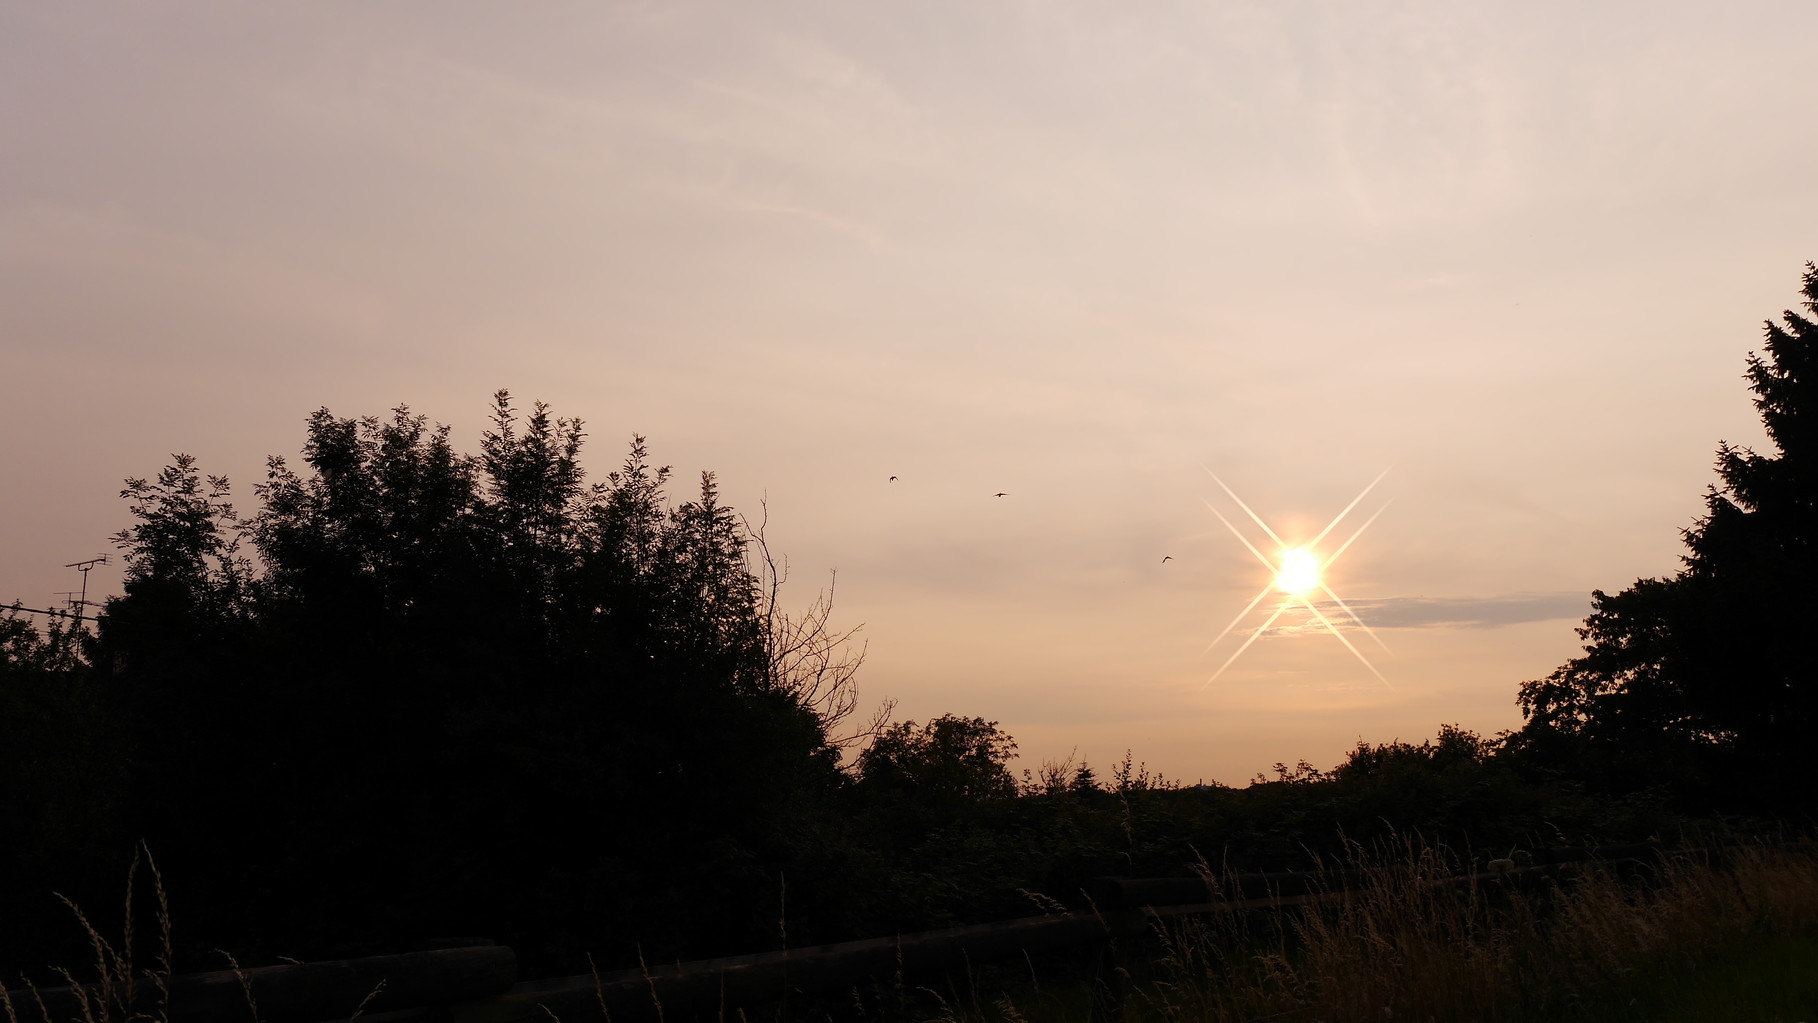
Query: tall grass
120,992
1584,946
1424,940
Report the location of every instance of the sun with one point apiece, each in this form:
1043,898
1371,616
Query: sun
1299,574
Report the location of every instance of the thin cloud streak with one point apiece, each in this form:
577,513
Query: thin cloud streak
1472,612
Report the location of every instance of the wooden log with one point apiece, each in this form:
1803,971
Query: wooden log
305,992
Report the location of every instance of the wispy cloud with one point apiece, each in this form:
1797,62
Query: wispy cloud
1471,612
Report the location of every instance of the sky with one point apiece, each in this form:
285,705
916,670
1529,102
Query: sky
1087,255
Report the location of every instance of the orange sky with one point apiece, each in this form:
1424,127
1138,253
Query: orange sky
1073,252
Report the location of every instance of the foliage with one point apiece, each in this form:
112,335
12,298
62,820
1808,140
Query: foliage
1702,680
24,649
1059,778
63,772
1599,943
951,760
455,694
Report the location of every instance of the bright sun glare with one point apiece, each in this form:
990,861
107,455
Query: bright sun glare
1297,577
1299,572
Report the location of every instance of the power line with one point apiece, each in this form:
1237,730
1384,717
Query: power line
40,611
76,602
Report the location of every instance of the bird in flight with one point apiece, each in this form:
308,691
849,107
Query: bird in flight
893,479
1167,559
1000,494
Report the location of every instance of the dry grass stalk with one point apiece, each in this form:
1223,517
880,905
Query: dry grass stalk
370,995
113,996
245,983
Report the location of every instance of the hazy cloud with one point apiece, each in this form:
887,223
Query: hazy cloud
1471,612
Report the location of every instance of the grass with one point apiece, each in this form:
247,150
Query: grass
120,992
1766,979
1681,940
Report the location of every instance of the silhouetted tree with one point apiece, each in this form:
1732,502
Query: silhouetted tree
950,760
461,694
63,774
1706,677
185,578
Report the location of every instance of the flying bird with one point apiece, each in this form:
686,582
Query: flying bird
1000,494
1167,559
893,479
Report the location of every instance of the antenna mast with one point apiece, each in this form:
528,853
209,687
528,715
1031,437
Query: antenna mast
80,603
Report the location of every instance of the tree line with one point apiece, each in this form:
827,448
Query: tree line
420,696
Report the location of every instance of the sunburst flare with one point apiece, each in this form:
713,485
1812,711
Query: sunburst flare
1297,571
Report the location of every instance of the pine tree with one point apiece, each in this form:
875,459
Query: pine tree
1706,674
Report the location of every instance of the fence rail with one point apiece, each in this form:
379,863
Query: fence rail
480,984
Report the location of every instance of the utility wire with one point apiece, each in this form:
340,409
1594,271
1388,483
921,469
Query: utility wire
37,611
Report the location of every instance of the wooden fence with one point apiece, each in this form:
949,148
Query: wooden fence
480,984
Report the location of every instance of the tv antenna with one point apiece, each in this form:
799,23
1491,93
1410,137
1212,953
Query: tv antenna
80,601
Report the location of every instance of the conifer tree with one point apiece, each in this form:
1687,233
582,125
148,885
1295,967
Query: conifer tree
1709,672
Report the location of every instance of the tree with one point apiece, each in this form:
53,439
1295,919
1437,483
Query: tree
949,761
1705,674
461,673
59,768
171,650
183,554
63,780
386,511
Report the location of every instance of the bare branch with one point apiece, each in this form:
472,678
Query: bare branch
808,658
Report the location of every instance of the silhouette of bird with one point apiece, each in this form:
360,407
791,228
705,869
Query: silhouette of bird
1000,494
893,479
1167,559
